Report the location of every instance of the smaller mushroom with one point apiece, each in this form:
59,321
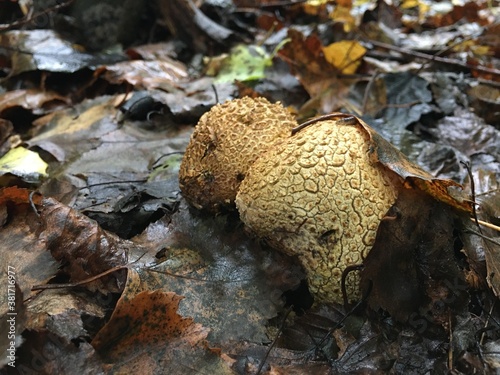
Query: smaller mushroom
320,195
226,142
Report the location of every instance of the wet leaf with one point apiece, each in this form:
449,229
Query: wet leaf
37,101
145,319
230,284
467,133
447,191
408,98
414,247
64,134
64,314
51,354
21,248
146,334
58,55
82,246
23,163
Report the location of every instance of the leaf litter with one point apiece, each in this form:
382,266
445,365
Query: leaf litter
129,278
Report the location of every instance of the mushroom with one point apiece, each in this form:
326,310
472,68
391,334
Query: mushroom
320,195
226,142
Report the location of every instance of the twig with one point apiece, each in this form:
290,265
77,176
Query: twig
82,282
482,236
426,56
487,322
268,351
486,224
24,21
472,192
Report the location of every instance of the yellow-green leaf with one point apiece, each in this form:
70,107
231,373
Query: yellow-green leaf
23,163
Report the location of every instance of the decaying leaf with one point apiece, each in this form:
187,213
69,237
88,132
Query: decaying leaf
58,55
21,248
67,315
318,76
82,246
38,101
395,160
231,285
23,163
146,334
414,248
144,320
164,74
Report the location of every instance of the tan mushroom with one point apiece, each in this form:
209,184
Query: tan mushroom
320,195
226,142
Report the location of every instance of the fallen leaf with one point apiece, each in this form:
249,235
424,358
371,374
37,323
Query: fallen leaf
345,55
244,63
230,283
21,249
414,248
84,249
66,314
145,320
342,14
23,163
146,334
58,55
319,78
37,101
162,74
408,98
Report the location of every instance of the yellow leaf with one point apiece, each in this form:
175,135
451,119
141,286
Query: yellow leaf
407,4
343,14
23,163
470,45
345,55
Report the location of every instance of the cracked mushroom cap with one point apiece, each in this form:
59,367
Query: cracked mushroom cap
320,196
226,142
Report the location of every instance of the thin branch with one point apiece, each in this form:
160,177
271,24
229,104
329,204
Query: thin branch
26,20
426,56
486,224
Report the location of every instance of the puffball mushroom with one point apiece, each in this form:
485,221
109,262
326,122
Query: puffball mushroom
320,195
226,142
